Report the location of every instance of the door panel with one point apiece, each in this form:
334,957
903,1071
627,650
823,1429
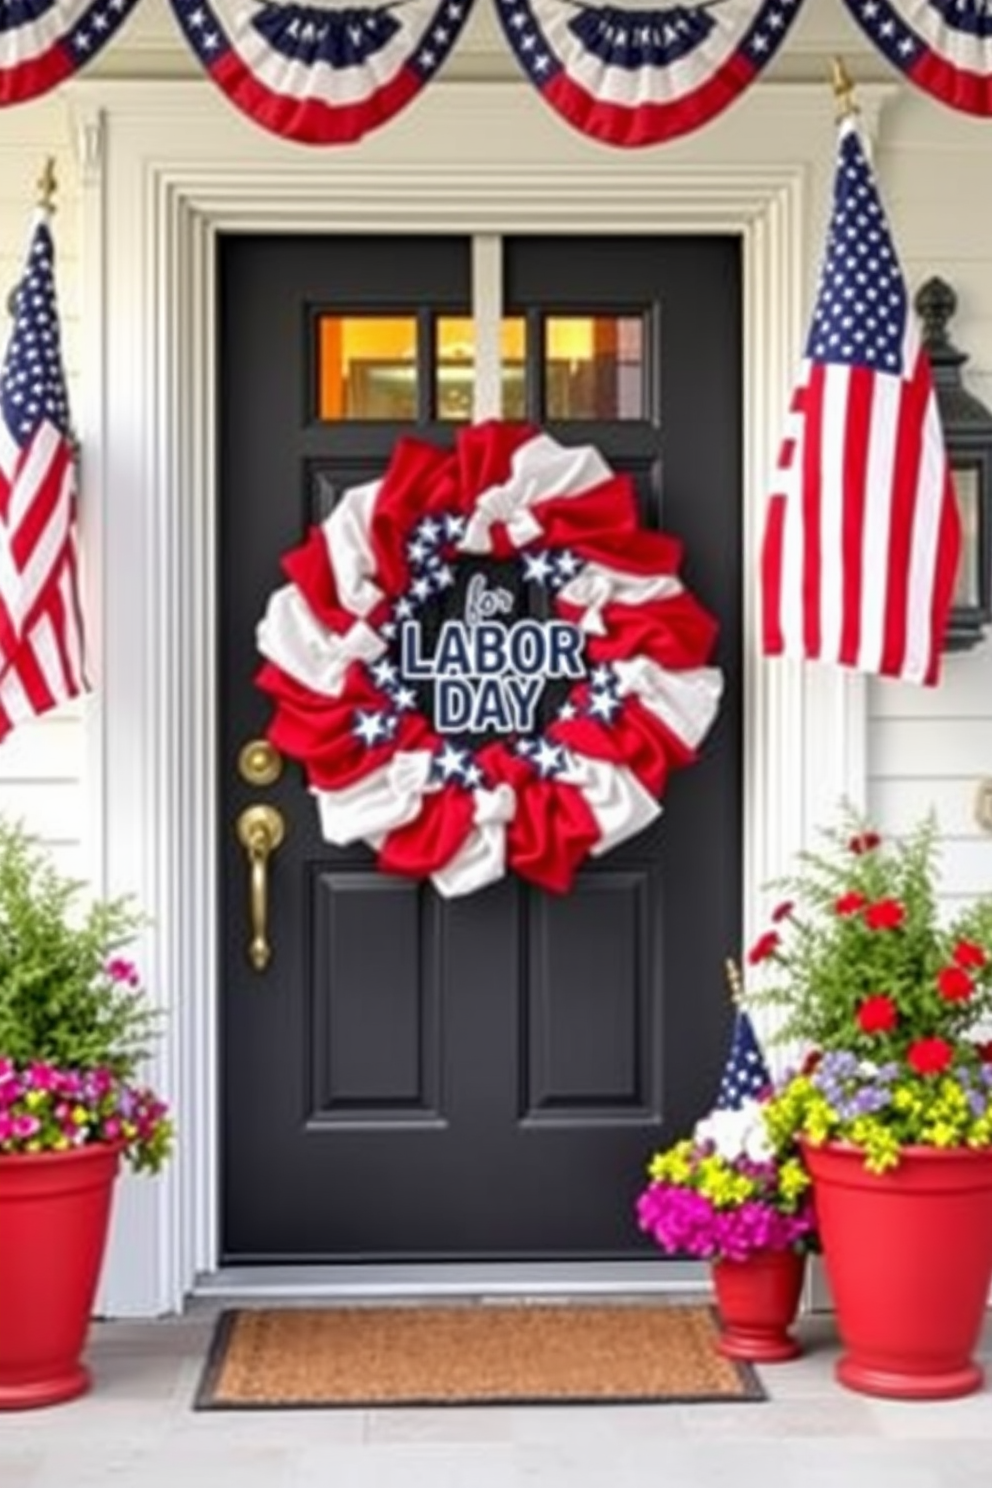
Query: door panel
483,1078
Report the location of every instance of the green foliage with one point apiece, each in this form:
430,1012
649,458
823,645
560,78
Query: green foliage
885,996
58,1003
825,960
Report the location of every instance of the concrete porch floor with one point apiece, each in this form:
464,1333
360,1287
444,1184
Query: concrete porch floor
138,1430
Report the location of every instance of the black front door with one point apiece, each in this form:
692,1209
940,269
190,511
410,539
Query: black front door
483,1078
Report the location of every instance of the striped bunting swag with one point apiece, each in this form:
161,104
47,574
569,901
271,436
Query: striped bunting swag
316,75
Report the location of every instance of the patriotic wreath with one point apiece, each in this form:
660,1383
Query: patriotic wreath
483,662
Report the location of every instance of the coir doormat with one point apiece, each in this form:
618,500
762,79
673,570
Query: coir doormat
468,1354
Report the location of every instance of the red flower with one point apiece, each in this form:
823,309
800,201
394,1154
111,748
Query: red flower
967,953
782,911
850,903
864,842
763,947
928,1056
886,914
984,1051
954,984
811,1061
877,1014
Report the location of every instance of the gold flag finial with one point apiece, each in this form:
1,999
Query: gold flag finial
47,185
840,80
734,982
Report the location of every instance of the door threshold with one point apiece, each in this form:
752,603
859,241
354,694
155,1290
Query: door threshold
479,1281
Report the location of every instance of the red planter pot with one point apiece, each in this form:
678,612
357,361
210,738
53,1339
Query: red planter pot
757,1300
54,1212
908,1255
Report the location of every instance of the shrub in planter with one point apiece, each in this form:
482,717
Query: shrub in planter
893,1104
75,1028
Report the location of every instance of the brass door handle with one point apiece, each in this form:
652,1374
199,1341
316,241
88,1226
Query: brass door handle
260,831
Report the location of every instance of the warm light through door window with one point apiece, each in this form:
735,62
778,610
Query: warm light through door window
367,367
594,367
455,363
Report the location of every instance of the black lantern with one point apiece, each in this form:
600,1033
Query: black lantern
967,425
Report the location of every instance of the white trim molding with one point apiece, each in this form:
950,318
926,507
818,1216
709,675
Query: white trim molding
170,167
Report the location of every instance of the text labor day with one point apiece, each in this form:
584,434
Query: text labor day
488,675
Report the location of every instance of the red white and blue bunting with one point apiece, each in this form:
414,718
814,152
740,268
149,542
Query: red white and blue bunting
316,75
484,664
634,77
43,42
943,46
626,74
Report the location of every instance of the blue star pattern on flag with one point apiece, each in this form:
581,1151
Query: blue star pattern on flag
860,314
634,77
862,531
943,46
745,1075
321,75
41,631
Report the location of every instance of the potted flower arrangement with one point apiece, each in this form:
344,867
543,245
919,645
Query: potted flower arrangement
892,1107
731,1195
74,1029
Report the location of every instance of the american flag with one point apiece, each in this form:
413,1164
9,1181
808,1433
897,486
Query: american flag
41,633
745,1075
862,533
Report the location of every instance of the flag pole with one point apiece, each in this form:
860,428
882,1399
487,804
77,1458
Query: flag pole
840,81
734,982
47,186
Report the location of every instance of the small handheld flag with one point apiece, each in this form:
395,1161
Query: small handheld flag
745,1074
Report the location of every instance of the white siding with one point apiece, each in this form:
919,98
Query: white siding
42,763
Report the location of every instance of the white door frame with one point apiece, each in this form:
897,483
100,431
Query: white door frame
168,166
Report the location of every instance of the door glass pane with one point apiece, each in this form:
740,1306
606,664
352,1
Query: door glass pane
594,367
367,367
455,353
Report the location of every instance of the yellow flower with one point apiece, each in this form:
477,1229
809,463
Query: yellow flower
793,1179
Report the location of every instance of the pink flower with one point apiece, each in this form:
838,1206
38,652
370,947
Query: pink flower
43,1077
119,969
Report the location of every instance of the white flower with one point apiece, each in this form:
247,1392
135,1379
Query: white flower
736,1134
